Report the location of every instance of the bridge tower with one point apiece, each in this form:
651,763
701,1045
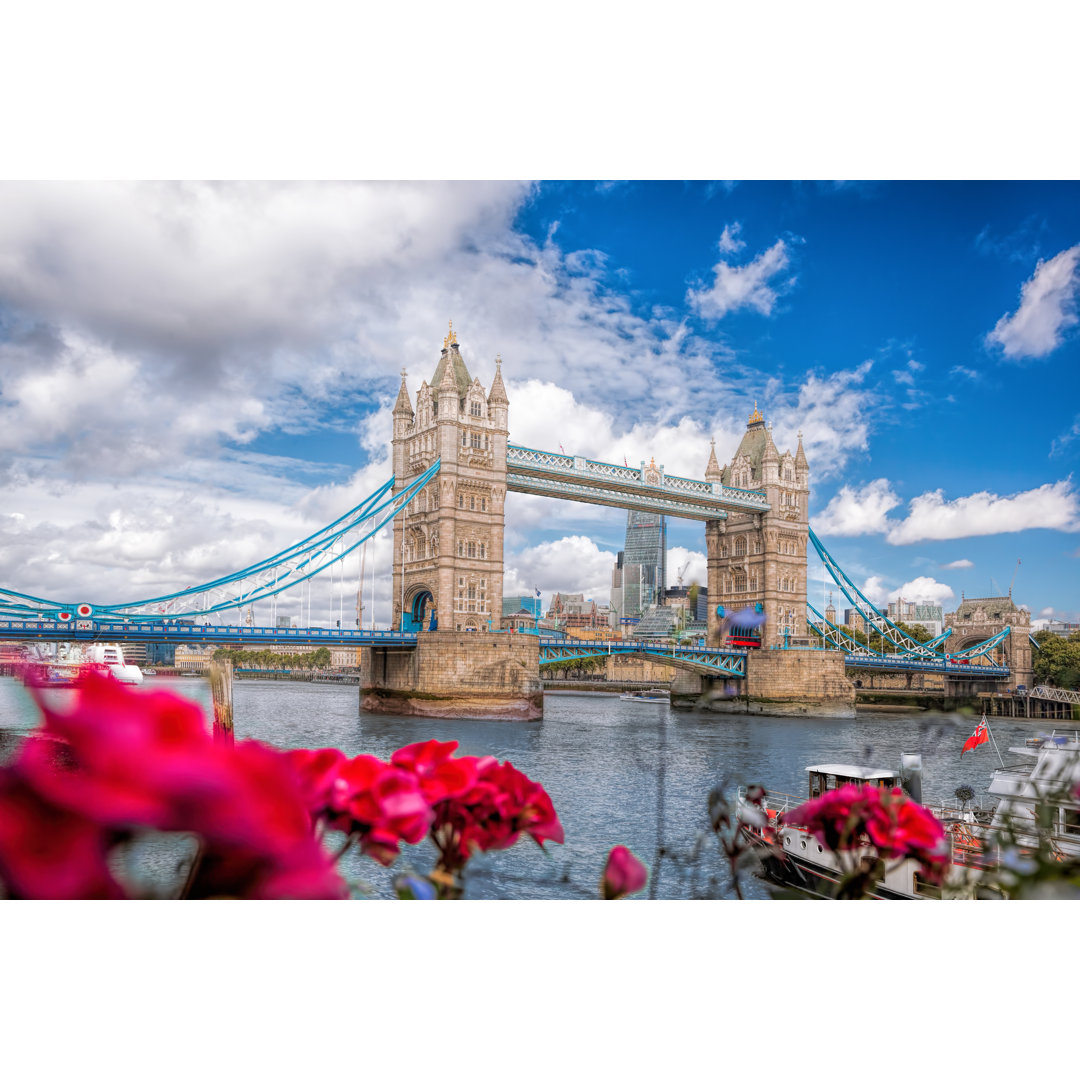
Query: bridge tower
761,558
448,544
977,619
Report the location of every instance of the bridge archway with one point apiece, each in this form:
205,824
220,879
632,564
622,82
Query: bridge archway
419,610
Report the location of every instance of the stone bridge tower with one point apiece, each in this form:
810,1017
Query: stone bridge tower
448,544
761,558
977,619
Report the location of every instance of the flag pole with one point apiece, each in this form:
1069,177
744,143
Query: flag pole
994,741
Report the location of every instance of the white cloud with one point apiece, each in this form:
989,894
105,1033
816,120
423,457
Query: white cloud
922,590
696,567
958,564
875,590
932,517
857,512
1047,309
729,241
750,285
572,564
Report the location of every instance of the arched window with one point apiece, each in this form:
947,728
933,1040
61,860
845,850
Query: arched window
474,409
740,546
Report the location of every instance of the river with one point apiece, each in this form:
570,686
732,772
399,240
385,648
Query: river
618,772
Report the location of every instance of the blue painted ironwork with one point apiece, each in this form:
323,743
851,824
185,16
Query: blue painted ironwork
946,665
836,636
729,663
260,581
184,633
540,472
870,614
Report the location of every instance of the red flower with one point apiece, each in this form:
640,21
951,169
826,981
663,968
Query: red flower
623,874
441,776
853,816
382,804
318,772
48,853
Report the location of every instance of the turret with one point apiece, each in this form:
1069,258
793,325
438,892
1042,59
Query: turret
713,472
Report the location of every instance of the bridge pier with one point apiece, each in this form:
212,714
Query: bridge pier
451,674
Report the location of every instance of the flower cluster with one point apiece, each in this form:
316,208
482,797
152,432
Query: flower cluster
120,762
855,815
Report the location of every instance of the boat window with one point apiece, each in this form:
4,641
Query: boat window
1072,821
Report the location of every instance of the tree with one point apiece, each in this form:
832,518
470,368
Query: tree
917,631
1057,661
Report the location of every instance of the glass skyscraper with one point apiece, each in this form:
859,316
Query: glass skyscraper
644,564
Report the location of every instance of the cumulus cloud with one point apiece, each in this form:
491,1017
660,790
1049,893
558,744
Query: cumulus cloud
729,241
858,511
958,564
696,567
573,564
1047,309
751,285
922,590
932,517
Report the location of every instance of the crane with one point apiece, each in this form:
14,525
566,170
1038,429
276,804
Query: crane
682,571
1013,582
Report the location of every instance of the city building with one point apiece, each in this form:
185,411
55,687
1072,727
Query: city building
511,605
912,613
644,563
572,612
1061,629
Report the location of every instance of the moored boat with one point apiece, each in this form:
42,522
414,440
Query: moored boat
1038,808
654,695
70,667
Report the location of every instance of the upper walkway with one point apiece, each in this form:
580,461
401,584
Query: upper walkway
560,476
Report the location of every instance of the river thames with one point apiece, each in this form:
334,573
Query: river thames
618,772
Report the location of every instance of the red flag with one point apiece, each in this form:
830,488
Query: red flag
978,736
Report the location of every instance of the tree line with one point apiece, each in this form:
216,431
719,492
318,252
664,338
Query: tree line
265,659
1057,660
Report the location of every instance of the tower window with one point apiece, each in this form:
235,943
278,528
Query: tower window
474,409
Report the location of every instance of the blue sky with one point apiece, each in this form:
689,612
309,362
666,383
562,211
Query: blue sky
193,376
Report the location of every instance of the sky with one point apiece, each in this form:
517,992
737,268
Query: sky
194,375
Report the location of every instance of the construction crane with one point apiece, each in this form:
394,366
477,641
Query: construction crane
682,571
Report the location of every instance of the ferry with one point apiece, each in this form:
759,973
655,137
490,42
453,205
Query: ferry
790,856
654,695
69,667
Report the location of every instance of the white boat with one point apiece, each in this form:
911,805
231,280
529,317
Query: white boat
791,856
69,666
646,695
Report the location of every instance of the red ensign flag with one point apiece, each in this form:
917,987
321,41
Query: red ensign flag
979,735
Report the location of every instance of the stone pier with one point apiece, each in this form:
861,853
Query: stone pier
779,682
456,674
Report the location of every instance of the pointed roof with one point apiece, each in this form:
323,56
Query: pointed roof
800,457
771,453
712,469
753,444
403,406
451,361
498,391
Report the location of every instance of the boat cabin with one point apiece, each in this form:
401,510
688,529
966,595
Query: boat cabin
826,777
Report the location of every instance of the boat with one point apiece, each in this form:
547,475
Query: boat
654,695
69,667
790,856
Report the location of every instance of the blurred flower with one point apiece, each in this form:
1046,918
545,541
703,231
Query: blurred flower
623,874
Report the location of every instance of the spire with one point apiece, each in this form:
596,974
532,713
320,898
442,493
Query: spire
771,453
498,391
800,457
712,469
403,406
755,417
451,361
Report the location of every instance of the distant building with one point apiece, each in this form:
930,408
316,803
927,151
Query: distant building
644,562
571,611
511,605
913,613
1061,629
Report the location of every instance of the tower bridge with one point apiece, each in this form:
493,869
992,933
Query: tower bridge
453,465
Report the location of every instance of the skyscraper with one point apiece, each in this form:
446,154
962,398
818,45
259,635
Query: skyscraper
644,562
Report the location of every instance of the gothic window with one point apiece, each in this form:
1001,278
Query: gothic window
740,581
420,548
482,548
483,504
471,552
787,475
474,409
461,502
740,546
757,545
464,438
753,582
472,502
476,440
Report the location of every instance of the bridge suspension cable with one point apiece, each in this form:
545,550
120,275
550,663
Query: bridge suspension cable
266,578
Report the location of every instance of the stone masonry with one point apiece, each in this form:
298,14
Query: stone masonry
761,558
448,544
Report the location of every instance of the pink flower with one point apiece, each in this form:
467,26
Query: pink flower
855,815
441,776
624,874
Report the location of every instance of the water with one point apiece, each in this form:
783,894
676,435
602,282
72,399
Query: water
618,772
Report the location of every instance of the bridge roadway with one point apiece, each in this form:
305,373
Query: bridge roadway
727,663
